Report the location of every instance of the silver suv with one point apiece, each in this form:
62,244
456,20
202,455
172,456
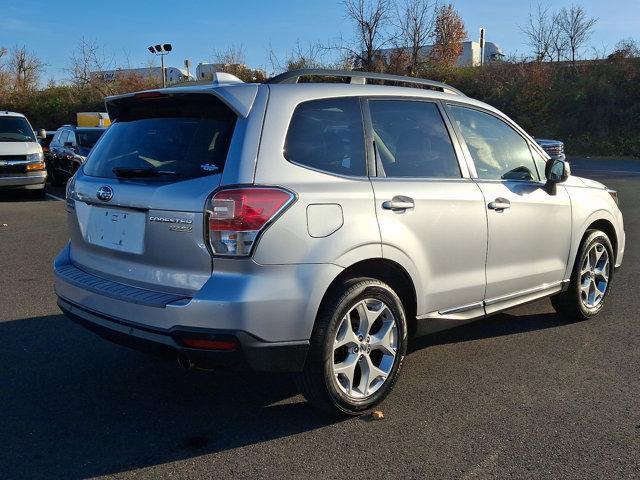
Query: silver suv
313,227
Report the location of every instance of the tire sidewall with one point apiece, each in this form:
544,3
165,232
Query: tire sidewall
592,238
379,291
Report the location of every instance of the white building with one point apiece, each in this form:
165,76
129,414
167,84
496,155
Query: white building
206,70
469,57
173,74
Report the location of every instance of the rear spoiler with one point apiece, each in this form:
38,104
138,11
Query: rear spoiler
238,97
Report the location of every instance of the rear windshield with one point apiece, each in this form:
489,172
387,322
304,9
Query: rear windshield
88,138
167,138
16,129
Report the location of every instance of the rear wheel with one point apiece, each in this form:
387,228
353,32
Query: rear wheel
357,348
591,278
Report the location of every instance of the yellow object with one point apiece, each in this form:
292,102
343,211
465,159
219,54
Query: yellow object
35,166
93,119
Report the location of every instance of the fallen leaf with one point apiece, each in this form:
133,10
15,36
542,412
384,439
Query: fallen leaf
377,415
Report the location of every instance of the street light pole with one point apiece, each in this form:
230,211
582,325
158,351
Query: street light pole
161,50
164,76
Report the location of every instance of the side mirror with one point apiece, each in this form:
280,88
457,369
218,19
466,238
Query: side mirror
42,134
556,171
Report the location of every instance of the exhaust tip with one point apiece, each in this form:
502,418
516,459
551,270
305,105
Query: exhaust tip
184,362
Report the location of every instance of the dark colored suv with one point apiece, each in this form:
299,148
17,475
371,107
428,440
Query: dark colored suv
68,150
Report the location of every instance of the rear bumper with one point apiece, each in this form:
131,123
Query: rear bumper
269,309
33,180
250,352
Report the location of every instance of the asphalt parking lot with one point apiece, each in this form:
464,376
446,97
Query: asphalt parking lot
525,394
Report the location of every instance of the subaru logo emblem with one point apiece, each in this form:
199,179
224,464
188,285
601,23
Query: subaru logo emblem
104,193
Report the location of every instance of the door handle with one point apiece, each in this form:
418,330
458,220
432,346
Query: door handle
499,204
398,203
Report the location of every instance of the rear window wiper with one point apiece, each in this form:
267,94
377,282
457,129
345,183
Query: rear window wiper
123,172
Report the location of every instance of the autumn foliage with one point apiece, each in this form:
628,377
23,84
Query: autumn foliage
448,35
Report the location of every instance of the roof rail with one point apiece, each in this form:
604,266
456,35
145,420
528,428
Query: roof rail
360,78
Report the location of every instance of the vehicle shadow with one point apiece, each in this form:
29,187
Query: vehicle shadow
76,406
490,327
19,195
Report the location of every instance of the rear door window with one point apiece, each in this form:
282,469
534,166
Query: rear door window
328,135
63,137
88,138
498,151
167,138
412,140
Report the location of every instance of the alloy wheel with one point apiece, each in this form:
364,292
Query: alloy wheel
594,276
364,349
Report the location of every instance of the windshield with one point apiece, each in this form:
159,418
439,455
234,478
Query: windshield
170,138
88,138
16,129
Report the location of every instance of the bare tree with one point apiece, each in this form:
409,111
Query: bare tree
231,55
87,67
539,32
625,48
4,75
311,56
25,68
448,34
559,44
577,28
416,20
232,60
371,20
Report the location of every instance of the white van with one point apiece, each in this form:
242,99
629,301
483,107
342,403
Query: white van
21,158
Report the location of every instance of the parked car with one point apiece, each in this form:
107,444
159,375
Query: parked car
21,159
553,148
44,139
69,149
312,227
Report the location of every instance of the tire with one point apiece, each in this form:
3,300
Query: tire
373,365
576,302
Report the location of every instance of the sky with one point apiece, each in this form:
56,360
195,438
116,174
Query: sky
199,28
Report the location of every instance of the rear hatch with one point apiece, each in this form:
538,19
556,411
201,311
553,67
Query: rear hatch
136,207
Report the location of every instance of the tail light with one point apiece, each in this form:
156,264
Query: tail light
237,216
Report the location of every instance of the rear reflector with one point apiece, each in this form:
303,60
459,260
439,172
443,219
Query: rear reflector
205,344
235,217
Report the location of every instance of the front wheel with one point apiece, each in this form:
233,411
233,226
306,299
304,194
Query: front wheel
591,278
357,347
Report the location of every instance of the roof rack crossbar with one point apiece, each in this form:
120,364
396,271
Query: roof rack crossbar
356,77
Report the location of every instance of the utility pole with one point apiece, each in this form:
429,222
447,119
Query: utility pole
481,46
161,50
